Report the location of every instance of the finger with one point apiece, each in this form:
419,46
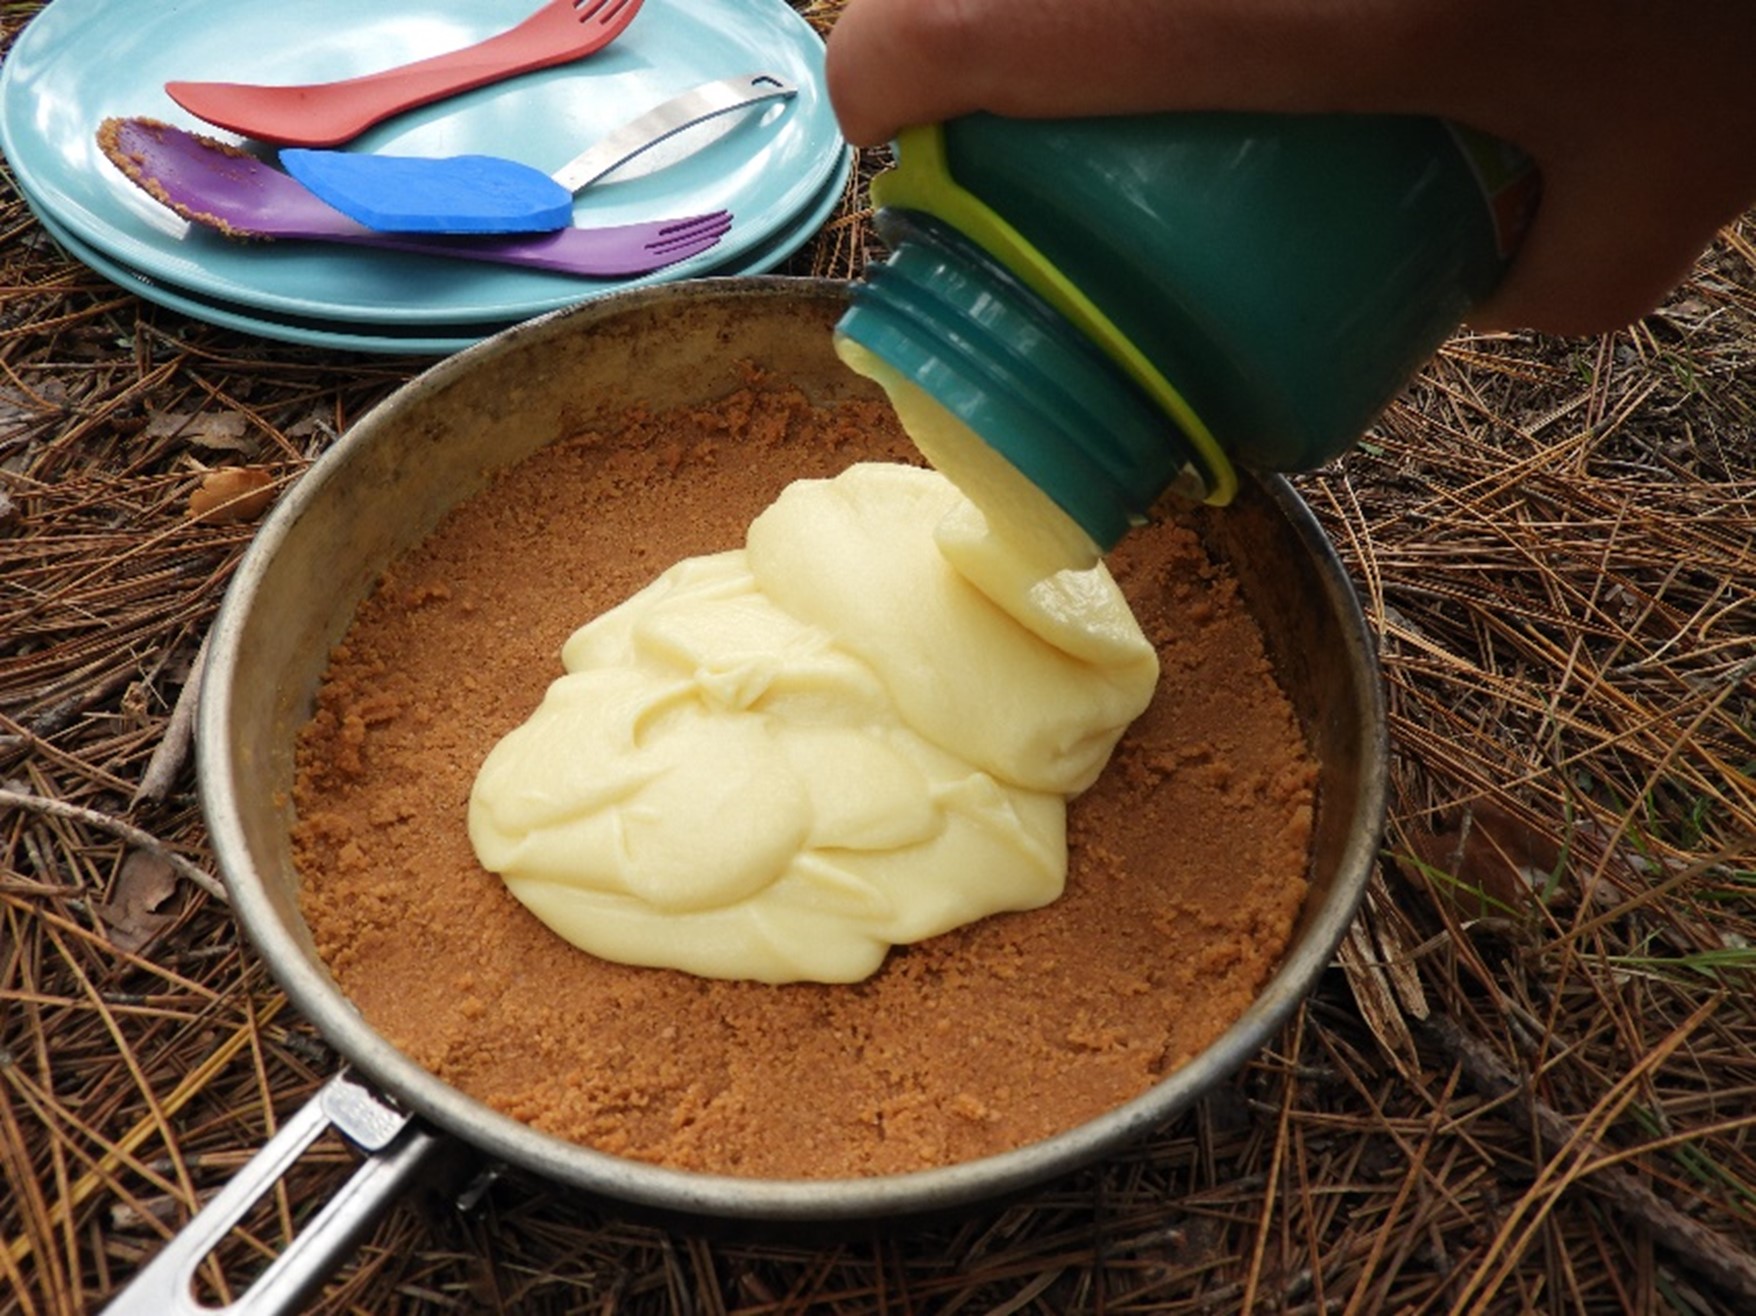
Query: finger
1560,285
892,63
1610,240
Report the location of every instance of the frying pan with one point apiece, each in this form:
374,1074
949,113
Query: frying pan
383,487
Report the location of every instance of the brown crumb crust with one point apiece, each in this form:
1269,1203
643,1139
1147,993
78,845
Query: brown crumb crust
1187,858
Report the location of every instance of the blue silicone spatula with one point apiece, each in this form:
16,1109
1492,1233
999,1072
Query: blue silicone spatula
489,194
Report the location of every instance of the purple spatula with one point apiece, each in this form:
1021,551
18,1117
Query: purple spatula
488,194
210,183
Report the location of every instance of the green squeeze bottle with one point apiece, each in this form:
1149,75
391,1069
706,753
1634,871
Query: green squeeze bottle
1119,307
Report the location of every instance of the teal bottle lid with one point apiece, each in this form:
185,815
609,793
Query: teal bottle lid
1002,360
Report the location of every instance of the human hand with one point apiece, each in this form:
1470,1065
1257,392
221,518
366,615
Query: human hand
1641,116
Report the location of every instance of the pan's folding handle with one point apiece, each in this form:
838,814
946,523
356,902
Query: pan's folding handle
398,1149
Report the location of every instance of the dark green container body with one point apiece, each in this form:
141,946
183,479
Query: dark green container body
1287,274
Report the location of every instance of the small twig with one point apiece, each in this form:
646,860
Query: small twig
60,715
116,827
173,749
1711,1253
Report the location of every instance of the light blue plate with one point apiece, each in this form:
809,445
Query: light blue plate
80,61
414,340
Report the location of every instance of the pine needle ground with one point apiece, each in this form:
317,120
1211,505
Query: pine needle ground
1528,1083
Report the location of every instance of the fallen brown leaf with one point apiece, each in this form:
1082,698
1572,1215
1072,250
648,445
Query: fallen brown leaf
1490,851
143,887
228,494
223,430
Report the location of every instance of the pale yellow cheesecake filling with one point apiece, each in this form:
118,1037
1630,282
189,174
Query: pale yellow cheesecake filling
860,730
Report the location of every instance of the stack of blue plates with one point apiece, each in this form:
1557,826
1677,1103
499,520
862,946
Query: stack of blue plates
81,61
